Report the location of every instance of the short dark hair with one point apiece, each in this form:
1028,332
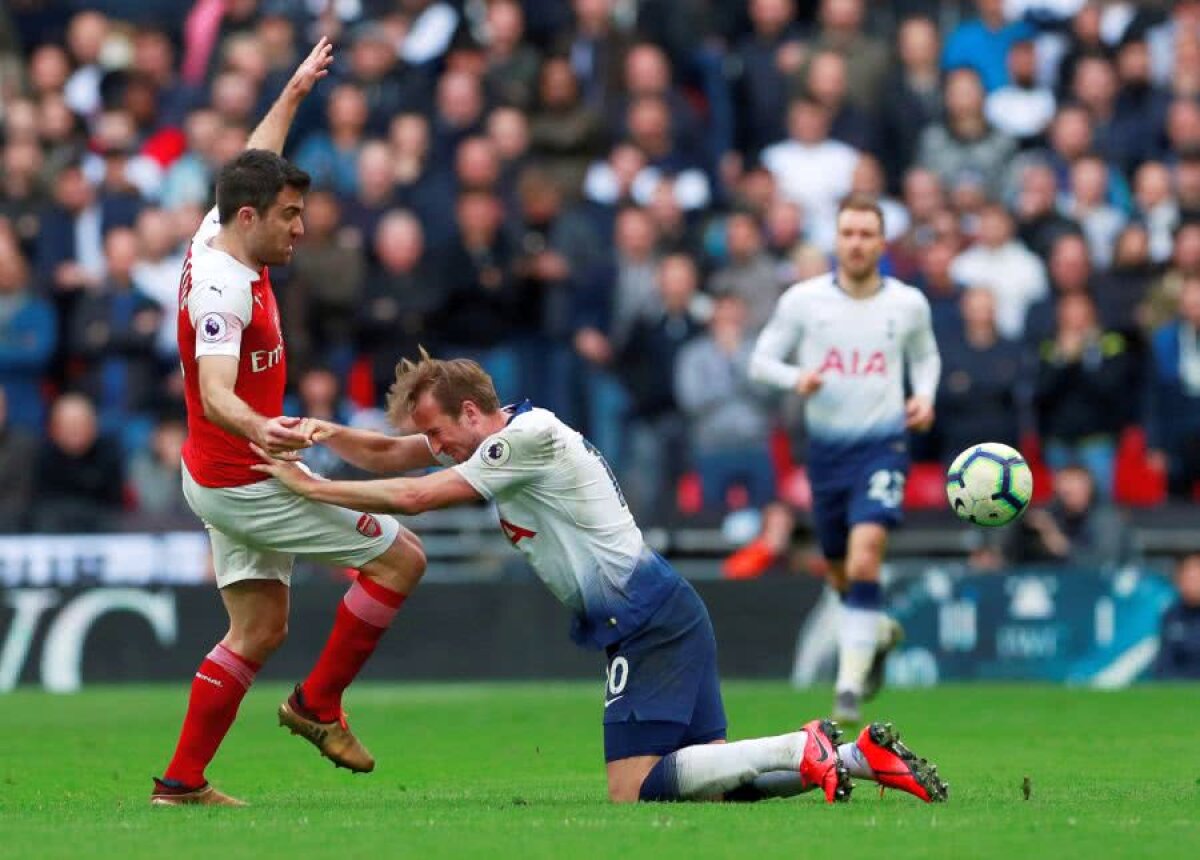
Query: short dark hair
255,178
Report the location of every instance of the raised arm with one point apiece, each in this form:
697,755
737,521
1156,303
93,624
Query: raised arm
273,130
370,451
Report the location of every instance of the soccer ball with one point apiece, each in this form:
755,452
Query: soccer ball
989,484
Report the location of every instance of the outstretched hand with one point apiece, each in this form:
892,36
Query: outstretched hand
287,472
315,66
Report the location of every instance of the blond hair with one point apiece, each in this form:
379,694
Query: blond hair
859,201
452,382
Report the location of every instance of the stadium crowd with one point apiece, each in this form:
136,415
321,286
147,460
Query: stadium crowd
600,201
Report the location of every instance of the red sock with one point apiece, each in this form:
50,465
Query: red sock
362,617
217,690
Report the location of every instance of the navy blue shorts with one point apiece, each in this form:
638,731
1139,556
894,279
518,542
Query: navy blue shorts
662,691
865,486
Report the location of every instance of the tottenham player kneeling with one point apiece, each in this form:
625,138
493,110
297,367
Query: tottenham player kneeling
559,504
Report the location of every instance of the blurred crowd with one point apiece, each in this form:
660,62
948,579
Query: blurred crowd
600,201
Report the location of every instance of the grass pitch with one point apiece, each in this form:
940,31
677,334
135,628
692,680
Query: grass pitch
516,771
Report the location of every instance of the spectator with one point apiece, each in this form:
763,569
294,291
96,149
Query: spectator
981,375
1156,207
648,75
325,288
483,300
458,111
827,84
1121,291
597,50
1021,108
747,272
565,133
1163,300
1077,529
1084,378
22,195
868,179
1070,274
402,296
512,64
329,157
646,365
1001,263
982,44
113,336
1088,205
728,423
912,96
923,199
189,179
1187,185
810,168
1039,221
1116,128
668,162
388,85
1179,638
18,453
508,132
964,142
941,289
154,474
79,485
553,248
28,337
613,296
1141,103
156,275
1183,125
1173,389
765,59
866,58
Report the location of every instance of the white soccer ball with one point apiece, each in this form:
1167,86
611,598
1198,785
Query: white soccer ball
989,484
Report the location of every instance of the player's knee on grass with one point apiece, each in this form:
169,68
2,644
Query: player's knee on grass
625,778
401,565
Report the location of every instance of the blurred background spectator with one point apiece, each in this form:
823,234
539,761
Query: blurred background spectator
1179,648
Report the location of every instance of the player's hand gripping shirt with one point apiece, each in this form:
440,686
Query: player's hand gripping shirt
560,505
859,347
226,308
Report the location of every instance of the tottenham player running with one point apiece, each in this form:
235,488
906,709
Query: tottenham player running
842,341
234,371
559,504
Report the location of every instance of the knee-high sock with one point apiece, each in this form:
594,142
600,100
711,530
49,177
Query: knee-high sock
706,770
858,634
362,618
217,689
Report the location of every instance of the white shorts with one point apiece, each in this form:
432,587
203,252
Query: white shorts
258,529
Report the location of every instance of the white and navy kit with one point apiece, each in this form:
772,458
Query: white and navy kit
858,451
561,506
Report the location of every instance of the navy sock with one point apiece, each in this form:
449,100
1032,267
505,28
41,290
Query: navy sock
864,595
662,782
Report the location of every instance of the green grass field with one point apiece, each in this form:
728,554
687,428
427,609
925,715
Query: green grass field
516,771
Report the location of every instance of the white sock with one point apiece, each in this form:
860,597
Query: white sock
851,756
858,637
705,770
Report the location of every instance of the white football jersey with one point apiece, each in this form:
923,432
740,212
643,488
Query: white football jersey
859,346
560,504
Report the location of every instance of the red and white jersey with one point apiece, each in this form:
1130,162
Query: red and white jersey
227,308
